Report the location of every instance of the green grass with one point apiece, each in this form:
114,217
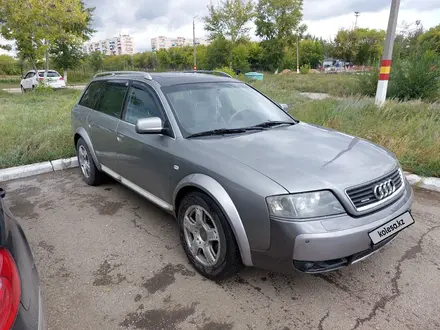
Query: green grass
333,84
35,127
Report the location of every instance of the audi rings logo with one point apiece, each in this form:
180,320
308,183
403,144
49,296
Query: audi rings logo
384,189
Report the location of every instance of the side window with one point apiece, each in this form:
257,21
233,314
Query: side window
29,75
91,95
112,98
141,104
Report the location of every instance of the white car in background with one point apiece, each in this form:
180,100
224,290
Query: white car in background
32,79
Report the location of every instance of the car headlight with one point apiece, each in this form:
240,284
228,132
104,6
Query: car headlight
304,205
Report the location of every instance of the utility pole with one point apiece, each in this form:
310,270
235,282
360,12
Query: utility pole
194,42
297,52
356,13
385,66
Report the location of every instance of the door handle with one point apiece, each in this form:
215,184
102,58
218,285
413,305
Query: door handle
120,138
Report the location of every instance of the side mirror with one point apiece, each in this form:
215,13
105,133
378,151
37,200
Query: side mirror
2,193
284,106
151,125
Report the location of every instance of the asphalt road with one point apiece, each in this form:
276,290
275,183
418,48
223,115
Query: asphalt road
110,260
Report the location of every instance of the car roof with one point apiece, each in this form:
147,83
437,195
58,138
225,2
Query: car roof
177,78
172,78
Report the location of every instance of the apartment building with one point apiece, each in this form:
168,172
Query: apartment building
120,45
162,42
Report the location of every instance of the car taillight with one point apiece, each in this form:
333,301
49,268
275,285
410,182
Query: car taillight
41,78
61,78
9,290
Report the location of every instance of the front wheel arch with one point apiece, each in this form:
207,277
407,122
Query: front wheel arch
215,191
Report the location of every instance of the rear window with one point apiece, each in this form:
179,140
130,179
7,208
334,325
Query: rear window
113,97
91,95
50,74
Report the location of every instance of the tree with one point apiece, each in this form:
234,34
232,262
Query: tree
163,59
328,47
345,45
217,53
228,20
255,55
431,39
369,45
96,60
202,57
278,19
140,60
272,54
66,56
407,39
9,66
113,63
278,23
240,55
311,53
67,52
361,46
36,24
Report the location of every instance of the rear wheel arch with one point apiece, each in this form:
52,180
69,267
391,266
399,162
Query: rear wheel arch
81,133
209,186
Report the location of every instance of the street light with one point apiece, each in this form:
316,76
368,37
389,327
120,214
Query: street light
297,52
356,13
194,42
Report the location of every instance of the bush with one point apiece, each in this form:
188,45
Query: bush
227,70
10,79
78,76
42,89
367,83
304,69
414,77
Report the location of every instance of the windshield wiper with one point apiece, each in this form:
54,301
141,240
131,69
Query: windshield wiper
274,123
222,131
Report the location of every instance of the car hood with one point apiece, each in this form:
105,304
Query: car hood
304,157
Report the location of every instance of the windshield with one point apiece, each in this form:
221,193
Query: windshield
209,106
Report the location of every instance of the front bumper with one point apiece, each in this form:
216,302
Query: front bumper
321,245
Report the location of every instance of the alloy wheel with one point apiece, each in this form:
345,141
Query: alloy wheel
84,161
201,235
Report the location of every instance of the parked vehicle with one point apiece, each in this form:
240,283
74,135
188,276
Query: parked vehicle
32,79
248,183
21,303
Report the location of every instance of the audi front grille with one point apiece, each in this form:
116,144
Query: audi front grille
376,192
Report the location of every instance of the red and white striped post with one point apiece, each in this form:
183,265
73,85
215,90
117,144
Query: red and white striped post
385,65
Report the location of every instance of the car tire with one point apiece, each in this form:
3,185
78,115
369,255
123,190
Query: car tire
210,234
22,90
90,173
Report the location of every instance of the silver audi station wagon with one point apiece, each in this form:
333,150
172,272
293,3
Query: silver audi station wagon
247,182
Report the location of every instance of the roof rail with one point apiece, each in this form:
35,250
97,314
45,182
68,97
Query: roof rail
220,73
146,75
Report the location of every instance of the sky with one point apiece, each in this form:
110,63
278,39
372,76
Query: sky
145,19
